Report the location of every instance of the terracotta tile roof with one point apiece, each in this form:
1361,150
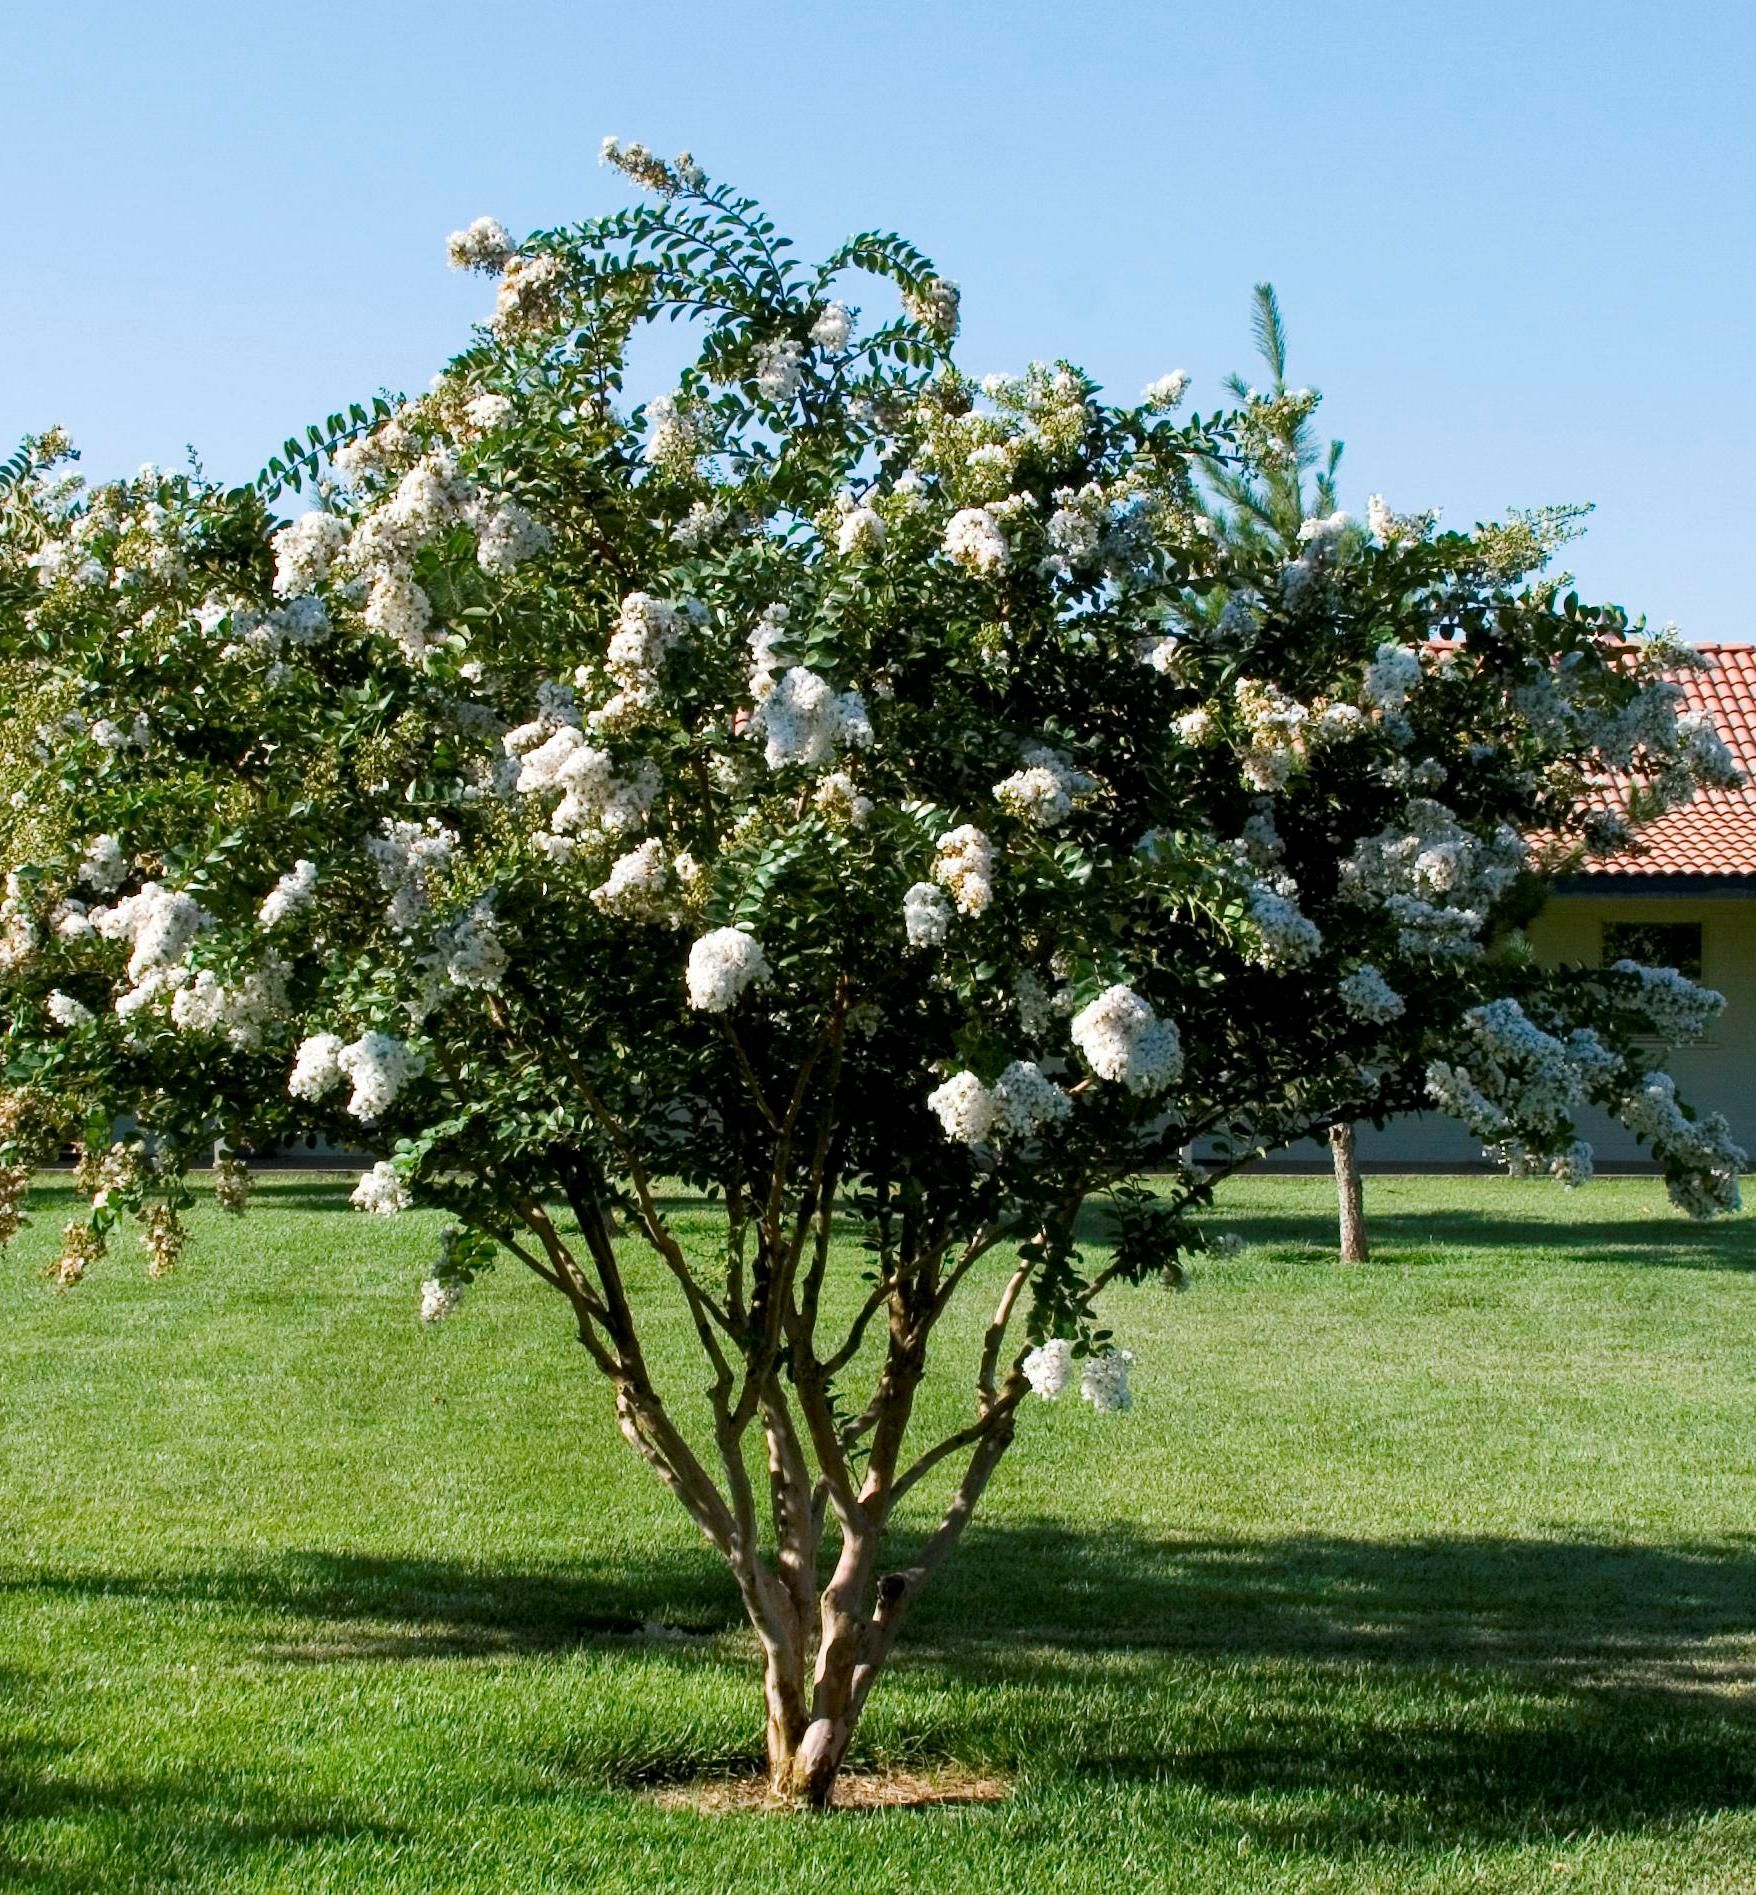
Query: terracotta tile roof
1716,833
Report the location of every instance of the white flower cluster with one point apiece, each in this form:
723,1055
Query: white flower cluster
646,629
965,865
1044,792
859,530
241,1009
506,536
1018,1104
721,966
1518,1079
159,925
1390,677
381,1191
636,885
935,306
1368,996
973,540
291,895
833,327
408,854
305,551
804,720
1434,878
676,441
1700,1157
838,798
1276,724
1103,1379
65,1011
529,299
926,914
377,1064
1285,937
484,246
1678,1008
1166,393
488,413
593,796
1123,1040
778,366
439,1300
105,867
471,951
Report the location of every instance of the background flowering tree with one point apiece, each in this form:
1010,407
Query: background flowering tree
849,789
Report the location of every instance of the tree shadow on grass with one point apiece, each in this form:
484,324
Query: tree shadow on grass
1452,1691
1403,1237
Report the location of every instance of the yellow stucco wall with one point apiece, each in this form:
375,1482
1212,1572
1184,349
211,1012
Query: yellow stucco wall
1717,1075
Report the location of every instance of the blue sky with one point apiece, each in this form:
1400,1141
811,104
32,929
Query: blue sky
1513,241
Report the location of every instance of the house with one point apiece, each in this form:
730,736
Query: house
1683,897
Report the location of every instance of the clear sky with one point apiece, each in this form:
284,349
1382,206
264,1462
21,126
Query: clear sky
1513,238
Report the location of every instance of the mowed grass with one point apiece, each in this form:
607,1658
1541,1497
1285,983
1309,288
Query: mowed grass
1434,1574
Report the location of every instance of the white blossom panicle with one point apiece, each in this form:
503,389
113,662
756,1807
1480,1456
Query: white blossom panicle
381,1191
1103,1381
1368,996
964,863
489,413
439,1300
291,895
926,914
833,327
1123,1040
675,439
241,1009
964,1107
65,1011
399,610
378,1065
721,966
860,531
1035,1004
1391,676
636,887
105,867
506,537
840,801
593,795
305,551
1198,728
1049,1368
1284,936
804,720
973,540
1380,520
1159,654
1026,1099
1679,1009
779,365
316,1067
159,924
935,306
471,951
1045,791
530,295
1166,393
1700,1157
483,246
408,854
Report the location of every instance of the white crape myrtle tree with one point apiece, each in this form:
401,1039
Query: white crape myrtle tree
855,791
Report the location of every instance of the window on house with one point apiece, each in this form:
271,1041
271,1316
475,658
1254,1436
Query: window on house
1655,944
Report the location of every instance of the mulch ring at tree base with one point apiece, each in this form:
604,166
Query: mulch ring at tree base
854,1790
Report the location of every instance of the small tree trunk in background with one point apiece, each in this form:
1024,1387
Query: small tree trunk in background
1349,1194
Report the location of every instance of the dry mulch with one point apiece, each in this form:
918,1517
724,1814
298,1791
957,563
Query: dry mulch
854,1790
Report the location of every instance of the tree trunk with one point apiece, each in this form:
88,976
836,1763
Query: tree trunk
1349,1194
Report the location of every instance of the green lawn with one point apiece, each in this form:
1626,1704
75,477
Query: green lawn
1436,1574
